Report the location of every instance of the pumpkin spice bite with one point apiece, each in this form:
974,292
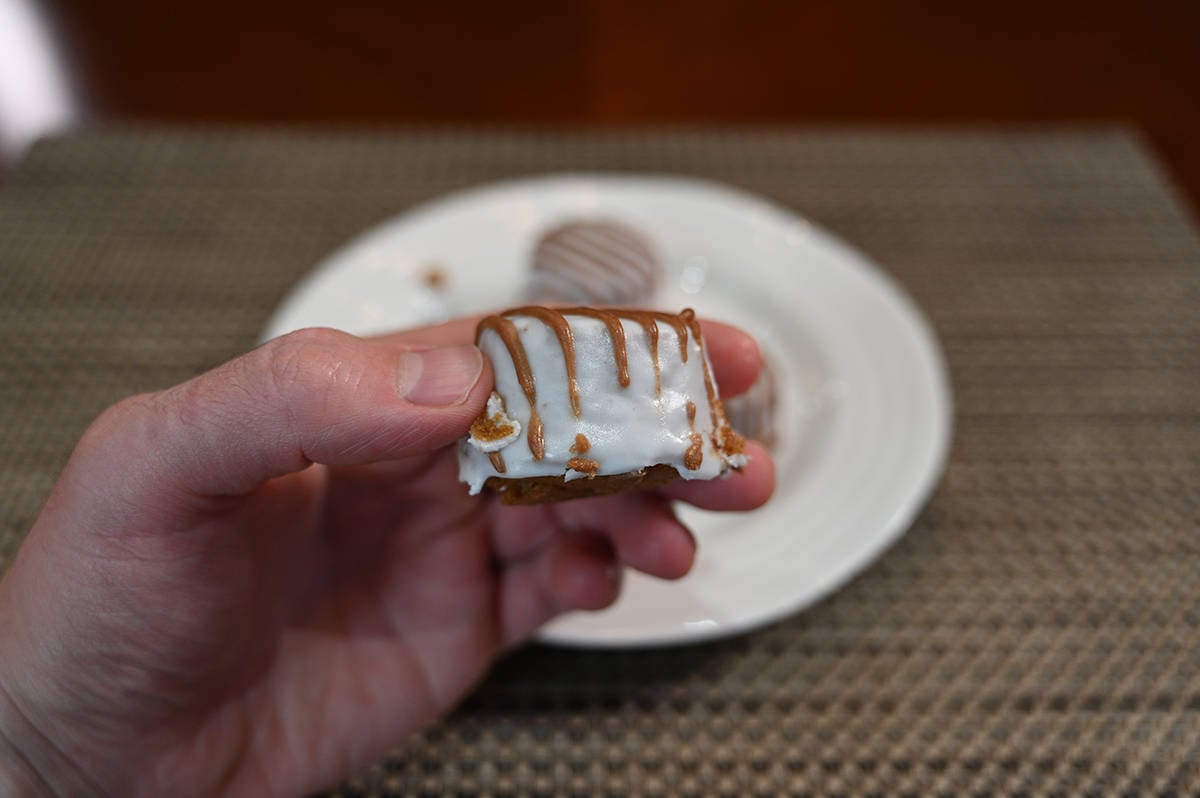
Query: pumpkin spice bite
591,401
594,261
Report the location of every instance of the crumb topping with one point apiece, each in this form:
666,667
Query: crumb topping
584,465
729,442
724,438
435,276
694,457
493,424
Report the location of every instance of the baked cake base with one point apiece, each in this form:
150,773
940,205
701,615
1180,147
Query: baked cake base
541,490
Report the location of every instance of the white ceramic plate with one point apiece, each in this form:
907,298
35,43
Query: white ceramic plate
865,407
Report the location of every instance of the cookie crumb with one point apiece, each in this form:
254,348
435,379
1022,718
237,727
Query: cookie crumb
435,277
694,457
584,465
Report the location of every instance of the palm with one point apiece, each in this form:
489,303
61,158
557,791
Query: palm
391,592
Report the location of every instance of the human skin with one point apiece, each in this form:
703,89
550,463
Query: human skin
258,580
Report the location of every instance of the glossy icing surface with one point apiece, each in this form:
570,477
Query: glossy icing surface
635,386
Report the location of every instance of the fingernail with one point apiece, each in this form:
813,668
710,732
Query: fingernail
439,377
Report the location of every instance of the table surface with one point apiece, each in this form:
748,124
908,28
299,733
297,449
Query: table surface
1033,633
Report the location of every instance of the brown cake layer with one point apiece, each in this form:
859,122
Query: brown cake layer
540,490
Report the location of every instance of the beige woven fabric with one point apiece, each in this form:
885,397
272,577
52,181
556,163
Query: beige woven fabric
1035,633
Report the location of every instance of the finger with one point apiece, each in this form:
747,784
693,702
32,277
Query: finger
574,572
518,531
450,333
642,527
581,573
736,358
744,490
313,396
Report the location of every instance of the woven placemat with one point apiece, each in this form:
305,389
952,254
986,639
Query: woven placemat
1036,632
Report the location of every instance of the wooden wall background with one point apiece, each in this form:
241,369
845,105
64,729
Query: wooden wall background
591,62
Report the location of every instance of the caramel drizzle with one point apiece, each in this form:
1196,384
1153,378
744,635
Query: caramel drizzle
582,444
566,340
616,332
648,319
516,350
681,330
715,410
556,320
651,328
497,461
693,458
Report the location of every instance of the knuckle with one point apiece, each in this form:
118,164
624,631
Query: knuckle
119,415
304,374
187,405
305,359
308,378
313,337
119,426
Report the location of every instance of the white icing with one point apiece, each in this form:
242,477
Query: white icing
628,428
495,412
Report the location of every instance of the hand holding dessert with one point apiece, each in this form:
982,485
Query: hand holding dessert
257,580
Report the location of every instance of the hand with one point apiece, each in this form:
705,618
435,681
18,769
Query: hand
258,580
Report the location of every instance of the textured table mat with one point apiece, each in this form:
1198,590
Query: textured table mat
1036,632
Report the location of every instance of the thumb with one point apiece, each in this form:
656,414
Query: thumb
313,396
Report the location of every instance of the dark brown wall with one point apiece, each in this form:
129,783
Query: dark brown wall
595,62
